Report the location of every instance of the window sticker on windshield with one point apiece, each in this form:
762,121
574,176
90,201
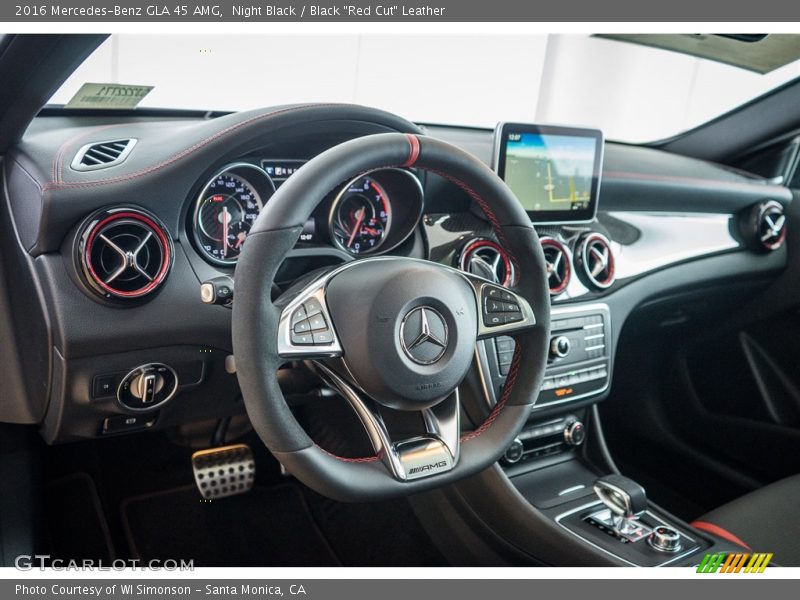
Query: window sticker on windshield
108,95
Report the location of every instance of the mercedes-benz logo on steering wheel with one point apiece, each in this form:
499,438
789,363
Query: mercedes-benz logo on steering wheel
423,335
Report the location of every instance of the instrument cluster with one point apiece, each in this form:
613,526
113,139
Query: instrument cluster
369,215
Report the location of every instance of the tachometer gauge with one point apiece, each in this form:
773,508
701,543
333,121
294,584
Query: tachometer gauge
360,216
226,209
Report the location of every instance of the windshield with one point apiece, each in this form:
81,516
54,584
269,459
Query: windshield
633,93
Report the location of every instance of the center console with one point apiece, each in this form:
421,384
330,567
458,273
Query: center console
579,364
578,368
551,498
622,525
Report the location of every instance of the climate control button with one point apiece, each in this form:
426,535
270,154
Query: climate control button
560,346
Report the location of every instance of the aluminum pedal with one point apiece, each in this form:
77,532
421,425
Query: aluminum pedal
224,471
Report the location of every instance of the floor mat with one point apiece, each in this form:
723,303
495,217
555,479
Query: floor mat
75,520
375,534
264,527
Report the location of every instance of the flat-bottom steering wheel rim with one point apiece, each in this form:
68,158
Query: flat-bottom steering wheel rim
256,319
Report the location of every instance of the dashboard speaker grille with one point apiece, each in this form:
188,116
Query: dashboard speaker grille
125,253
486,258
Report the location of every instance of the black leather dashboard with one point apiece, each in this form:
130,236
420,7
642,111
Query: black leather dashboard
59,338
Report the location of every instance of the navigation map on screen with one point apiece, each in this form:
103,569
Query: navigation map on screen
550,172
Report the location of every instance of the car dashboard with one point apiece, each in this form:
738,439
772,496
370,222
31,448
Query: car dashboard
115,225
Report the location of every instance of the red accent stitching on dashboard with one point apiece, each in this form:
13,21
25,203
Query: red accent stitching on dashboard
414,153
58,164
719,532
509,386
363,459
183,153
695,181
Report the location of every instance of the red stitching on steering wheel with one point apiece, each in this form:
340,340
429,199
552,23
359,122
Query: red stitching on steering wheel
513,371
509,386
498,229
362,459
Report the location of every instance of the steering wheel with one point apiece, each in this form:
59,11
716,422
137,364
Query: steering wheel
389,333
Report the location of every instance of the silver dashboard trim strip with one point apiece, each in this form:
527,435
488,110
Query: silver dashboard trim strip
667,238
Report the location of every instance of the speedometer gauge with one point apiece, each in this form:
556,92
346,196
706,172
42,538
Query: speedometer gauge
360,216
226,209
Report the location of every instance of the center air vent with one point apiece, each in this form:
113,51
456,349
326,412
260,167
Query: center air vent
595,261
557,261
124,253
486,258
101,155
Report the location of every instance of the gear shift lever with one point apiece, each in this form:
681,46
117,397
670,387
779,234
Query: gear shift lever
627,501
623,497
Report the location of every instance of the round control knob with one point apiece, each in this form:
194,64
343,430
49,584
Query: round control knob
144,384
514,452
147,386
574,433
559,346
665,539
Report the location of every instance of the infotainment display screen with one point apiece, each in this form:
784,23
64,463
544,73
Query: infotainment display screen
554,171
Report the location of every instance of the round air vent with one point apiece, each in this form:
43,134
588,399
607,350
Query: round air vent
765,226
557,259
486,258
124,253
595,261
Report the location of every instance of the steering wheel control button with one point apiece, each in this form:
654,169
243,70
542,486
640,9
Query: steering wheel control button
299,314
309,326
493,320
494,306
147,386
302,339
500,307
302,326
312,307
665,539
322,336
497,293
317,322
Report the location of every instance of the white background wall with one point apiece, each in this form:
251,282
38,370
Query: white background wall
632,92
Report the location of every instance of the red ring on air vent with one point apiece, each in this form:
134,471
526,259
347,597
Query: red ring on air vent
476,245
150,224
564,252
